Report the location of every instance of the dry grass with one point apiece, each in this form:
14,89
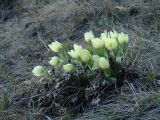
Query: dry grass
23,41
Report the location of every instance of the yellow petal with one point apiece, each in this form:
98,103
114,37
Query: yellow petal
78,49
88,36
38,71
86,56
97,43
104,63
54,61
55,46
68,68
73,54
111,44
123,38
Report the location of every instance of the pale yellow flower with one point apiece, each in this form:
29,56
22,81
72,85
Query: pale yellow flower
38,71
104,36
55,46
78,49
88,36
113,34
104,63
68,67
96,61
54,61
86,56
76,53
111,44
97,43
73,54
123,38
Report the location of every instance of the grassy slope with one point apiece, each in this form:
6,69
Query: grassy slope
23,44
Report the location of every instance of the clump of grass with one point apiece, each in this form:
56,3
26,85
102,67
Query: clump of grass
4,103
150,101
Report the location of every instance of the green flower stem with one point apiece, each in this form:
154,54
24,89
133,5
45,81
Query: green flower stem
90,48
82,65
124,50
101,52
106,52
63,56
115,52
89,64
47,75
107,72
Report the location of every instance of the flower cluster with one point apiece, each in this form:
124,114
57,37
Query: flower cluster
95,56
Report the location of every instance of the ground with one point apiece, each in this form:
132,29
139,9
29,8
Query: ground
27,27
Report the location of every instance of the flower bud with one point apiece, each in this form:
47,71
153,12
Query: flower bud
123,38
104,36
39,71
78,49
104,63
86,56
73,54
111,44
54,61
113,34
88,36
68,68
97,43
55,46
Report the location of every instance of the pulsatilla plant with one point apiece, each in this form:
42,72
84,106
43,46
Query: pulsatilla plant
104,54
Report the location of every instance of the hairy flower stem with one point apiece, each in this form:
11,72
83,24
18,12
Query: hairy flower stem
63,56
47,75
100,51
115,52
124,50
90,48
107,72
